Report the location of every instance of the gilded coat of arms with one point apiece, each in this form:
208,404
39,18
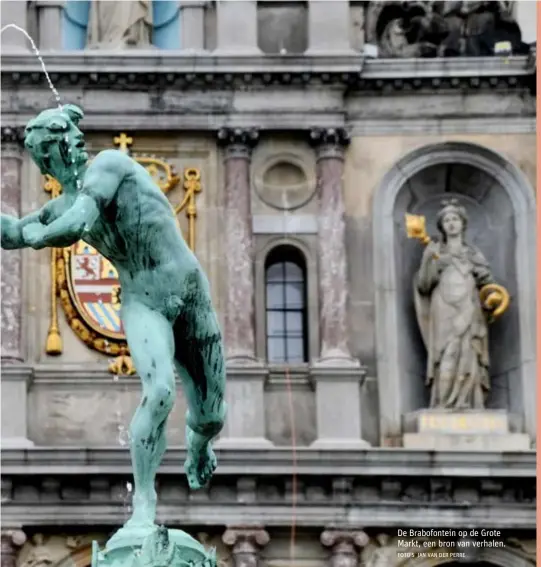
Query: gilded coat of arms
87,283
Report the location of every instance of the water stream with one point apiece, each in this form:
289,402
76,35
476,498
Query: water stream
123,433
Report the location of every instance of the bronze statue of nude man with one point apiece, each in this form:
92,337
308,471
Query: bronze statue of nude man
169,320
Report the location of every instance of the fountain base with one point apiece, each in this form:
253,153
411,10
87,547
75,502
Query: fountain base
152,546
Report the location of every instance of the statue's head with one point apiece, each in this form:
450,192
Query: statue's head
55,142
452,219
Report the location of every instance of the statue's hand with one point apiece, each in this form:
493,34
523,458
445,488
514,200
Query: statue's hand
431,251
10,232
33,235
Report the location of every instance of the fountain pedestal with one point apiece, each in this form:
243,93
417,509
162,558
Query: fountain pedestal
152,546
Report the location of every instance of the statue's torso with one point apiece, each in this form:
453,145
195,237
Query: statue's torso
457,283
138,233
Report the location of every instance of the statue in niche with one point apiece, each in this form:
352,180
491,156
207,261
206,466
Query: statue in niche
443,29
120,24
455,298
109,24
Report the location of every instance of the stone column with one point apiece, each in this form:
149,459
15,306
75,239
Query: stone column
11,542
15,375
344,546
245,544
328,28
14,12
193,25
330,144
50,24
245,424
236,27
337,374
11,277
238,241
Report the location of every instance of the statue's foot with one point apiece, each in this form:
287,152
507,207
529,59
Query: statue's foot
199,466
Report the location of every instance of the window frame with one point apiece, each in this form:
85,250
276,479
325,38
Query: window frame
282,257
305,245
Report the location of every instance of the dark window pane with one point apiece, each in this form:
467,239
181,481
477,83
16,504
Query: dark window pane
276,352
275,324
275,296
294,323
294,296
295,350
275,272
293,272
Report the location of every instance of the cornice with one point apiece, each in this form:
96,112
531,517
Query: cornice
201,511
178,70
278,461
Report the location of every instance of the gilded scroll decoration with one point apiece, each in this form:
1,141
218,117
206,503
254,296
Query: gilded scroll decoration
86,283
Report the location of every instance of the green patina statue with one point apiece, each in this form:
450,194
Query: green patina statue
169,320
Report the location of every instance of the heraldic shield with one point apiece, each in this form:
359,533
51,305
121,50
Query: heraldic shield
87,284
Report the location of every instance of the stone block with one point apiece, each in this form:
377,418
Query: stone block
329,27
14,12
338,408
509,442
15,379
470,422
245,422
471,430
236,27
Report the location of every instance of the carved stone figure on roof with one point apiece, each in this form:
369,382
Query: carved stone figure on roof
443,29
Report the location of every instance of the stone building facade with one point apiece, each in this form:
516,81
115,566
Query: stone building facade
304,132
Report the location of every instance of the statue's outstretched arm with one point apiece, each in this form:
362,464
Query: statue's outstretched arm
99,188
12,229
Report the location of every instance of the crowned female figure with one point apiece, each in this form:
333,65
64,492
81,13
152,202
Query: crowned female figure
452,316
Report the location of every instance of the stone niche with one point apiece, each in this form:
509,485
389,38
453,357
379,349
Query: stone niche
282,27
501,208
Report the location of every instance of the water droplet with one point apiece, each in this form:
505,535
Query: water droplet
38,55
129,486
123,436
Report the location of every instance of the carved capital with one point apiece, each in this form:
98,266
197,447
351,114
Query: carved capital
245,543
238,142
12,140
344,545
11,542
329,142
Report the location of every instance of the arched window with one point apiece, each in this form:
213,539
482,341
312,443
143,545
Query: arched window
286,314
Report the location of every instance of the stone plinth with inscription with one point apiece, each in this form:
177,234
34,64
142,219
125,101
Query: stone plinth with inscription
469,430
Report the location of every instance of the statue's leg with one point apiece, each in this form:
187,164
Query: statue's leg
150,339
200,363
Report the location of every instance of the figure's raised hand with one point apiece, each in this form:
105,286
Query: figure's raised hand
11,232
33,235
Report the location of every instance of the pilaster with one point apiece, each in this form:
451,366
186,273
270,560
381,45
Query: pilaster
14,12
193,25
50,24
328,28
236,27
